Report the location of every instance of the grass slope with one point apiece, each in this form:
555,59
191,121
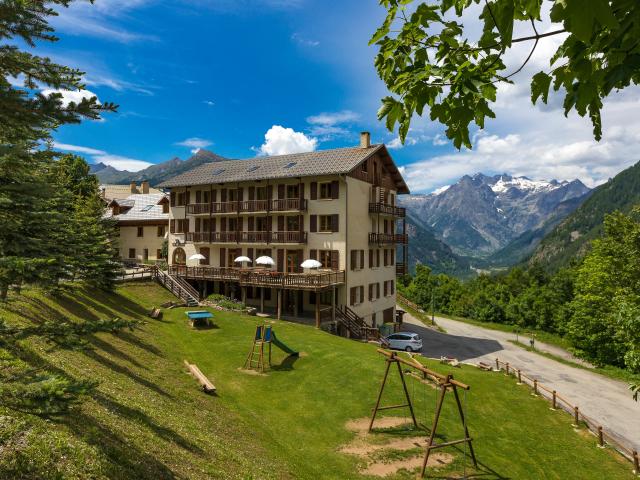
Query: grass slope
148,419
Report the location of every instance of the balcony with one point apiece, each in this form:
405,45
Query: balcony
385,209
247,237
388,238
248,206
262,278
401,269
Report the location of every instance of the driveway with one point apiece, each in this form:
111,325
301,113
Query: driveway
605,400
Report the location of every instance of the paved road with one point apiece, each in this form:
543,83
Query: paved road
605,400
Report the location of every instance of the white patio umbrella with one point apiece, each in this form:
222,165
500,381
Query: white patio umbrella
197,256
311,263
242,259
265,261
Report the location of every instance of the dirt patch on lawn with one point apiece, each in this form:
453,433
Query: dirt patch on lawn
371,447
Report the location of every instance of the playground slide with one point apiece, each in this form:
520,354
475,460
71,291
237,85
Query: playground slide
281,345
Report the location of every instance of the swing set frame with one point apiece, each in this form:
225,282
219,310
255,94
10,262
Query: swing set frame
444,383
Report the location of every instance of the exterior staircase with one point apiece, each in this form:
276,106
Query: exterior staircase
178,286
355,324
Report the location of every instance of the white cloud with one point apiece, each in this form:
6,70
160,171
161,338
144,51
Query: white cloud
195,143
69,96
122,163
77,148
100,156
439,140
281,141
209,103
328,125
396,143
301,40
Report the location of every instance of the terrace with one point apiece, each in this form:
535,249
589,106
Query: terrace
247,206
247,237
387,238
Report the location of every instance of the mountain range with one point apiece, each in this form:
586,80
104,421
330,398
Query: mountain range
154,173
489,221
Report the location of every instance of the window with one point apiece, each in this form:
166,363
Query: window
293,223
146,208
140,231
218,171
389,288
290,164
324,257
204,251
374,291
181,225
357,259
293,191
261,224
145,254
364,166
261,193
132,253
232,195
356,295
325,223
159,254
253,168
165,207
325,190
161,230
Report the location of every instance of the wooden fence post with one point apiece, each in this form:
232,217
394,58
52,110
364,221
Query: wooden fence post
497,364
519,377
576,416
554,403
535,387
507,365
600,437
636,463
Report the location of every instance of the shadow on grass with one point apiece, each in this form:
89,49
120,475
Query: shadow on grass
124,459
115,352
141,418
96,356
136,341
286,364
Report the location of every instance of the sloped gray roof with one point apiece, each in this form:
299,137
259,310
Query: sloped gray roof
309,164
144,207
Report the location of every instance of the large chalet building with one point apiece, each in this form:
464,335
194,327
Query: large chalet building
335,206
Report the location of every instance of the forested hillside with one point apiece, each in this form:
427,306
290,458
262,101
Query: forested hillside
570,239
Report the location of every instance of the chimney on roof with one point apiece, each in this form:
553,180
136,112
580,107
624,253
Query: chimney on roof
145,186
365,139
133,187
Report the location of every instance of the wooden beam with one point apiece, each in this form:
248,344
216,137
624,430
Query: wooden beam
207,385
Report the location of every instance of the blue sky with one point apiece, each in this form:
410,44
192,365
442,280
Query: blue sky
223,74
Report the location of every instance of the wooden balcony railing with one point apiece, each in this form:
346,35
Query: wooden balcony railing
247,206
246,237
388,238
401,269
262,278
385,209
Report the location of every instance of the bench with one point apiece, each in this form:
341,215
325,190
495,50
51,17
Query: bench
207,386
485,366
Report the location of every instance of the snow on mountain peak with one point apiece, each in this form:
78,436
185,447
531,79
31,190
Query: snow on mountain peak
440,190
523,184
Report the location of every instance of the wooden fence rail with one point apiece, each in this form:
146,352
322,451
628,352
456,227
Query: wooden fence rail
558,401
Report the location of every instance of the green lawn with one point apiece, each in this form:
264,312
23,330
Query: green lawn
149,420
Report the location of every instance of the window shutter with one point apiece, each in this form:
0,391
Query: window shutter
335,259
392,284
252,193
240,193
392,255
335,222
280,261
212,224
299,269
172,226
378,290
377,257
197,226
223,256
269,224
250,253
281,191
313,254
301,192
352,296
370,291
335,189
386,289
251,224
173,199
240,224
353,259
214,195
198,196
313,223
301,224
361,293
269,192
204,251
361,259
314,190
386,254
370,258
223,195
223,224
281,223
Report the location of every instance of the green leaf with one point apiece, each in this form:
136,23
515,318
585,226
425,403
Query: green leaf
540,84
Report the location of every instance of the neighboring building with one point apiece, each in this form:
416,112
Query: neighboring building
143,221
110,192
337,206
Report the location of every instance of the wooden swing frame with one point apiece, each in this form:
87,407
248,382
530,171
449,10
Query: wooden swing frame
444,383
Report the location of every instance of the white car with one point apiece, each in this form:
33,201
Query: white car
408,341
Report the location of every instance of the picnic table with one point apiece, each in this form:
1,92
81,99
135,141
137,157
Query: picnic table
199,318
